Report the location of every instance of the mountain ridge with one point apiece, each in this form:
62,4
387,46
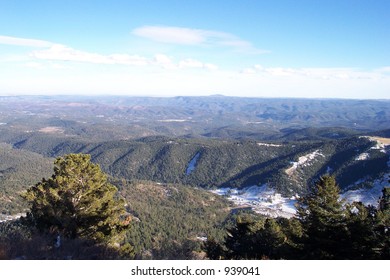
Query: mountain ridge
240,142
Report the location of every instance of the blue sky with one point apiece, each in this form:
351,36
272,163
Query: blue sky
327,49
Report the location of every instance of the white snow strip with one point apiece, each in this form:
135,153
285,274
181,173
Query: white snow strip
303,161
269,145
192,164
172,120
5,218
363,156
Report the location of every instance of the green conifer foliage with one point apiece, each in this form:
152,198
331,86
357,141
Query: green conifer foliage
77,201
324,221
361,226
384,202
383,224
241,238
270,240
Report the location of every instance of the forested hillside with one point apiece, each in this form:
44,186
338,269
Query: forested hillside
171,221
287,166
18,170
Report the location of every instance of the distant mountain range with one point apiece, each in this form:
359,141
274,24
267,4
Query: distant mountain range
207,142
213,116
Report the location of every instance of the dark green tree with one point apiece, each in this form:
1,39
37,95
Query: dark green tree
383,224
270,240
241,238
384,201
363,237
78,201
259,238
324,221
291,248
214,250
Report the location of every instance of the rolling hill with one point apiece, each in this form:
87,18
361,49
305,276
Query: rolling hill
208,142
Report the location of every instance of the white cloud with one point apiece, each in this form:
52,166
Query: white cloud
167,62
187,74
34,65
128,59
164,61
180,82
175,35
384,70
64,53
316,73
248,71
278,71
210,66
15,41
58,52
45,65
192,63
258,67
191,36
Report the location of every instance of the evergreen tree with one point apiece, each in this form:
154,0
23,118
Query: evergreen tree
384,201
270,240
383,224
241,238
291,248
361,225
78,201
324,221
260,238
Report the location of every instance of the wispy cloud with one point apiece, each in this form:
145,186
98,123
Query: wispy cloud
316,73
15,41
384,70
167,62
50,51
45,65
173,35
193,63
64,53
190,36
164,61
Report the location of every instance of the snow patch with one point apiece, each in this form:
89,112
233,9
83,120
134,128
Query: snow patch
262,200
363,156
372,195
202,238
5,218
51,129
266,201
367,196
381,143
269,145
192,164
303,161
173,120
